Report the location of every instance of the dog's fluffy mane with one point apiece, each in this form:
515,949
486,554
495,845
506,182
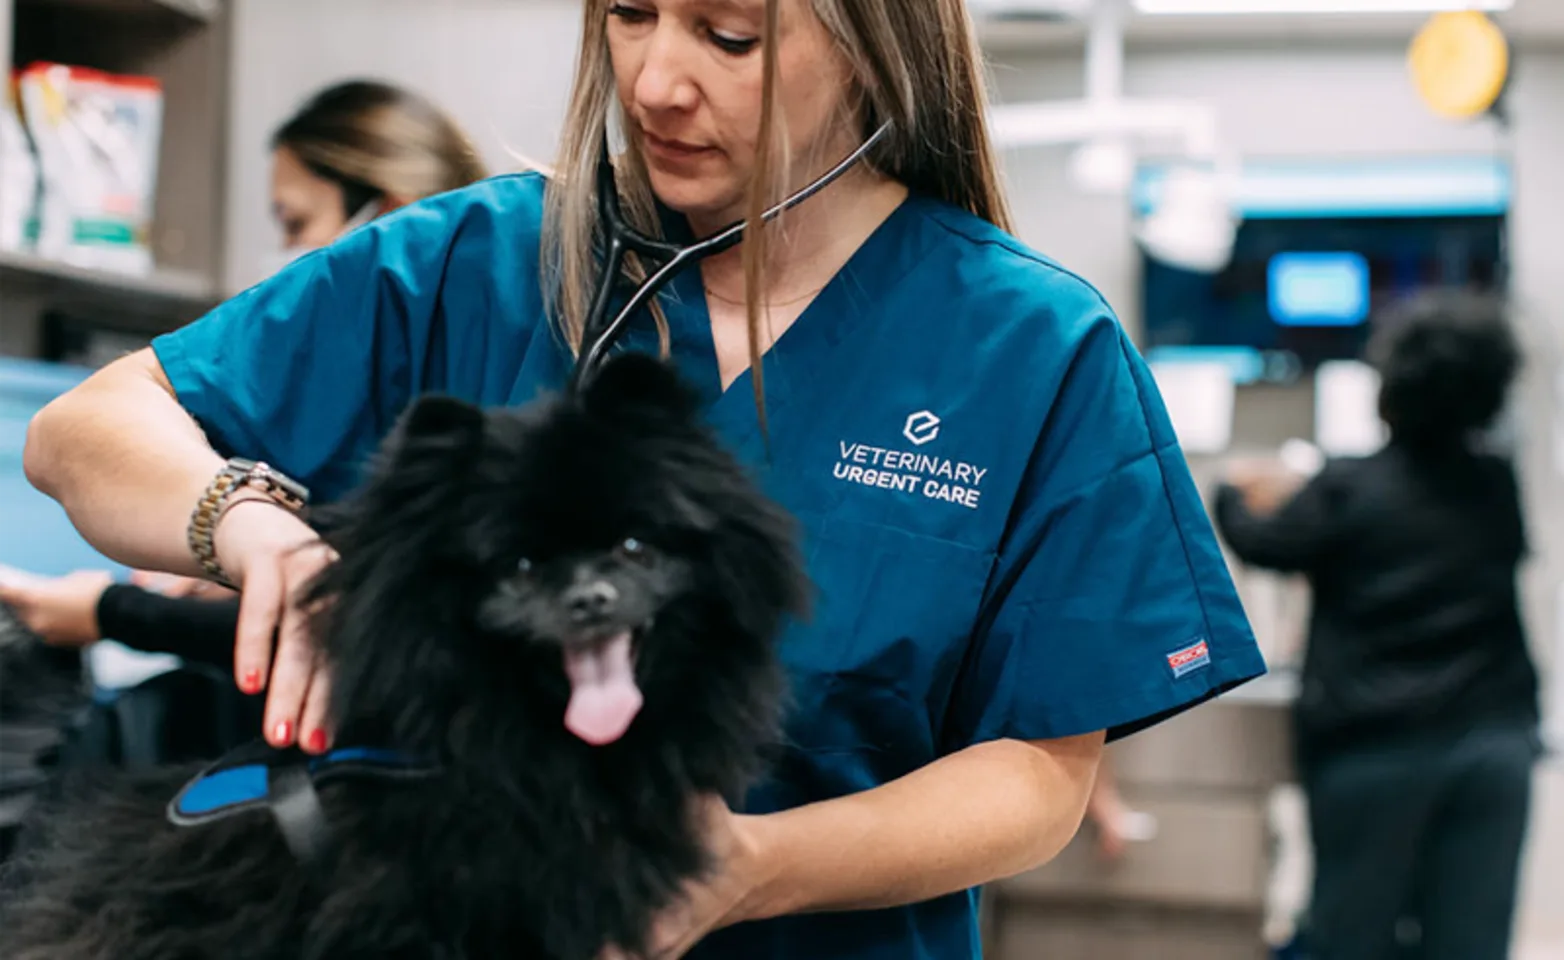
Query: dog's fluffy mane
530,843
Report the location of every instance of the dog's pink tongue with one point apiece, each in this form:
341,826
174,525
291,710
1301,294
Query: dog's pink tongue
603,696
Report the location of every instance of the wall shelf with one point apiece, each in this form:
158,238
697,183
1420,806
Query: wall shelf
184,46
167,284
200,10
197,11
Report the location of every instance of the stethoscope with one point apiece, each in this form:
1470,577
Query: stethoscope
598,336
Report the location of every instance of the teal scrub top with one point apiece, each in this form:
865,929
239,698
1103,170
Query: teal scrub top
1003,534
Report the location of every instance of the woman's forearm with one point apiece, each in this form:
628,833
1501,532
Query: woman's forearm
193,629
988,812
127,463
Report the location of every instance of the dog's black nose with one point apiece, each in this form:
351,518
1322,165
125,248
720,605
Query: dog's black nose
588,601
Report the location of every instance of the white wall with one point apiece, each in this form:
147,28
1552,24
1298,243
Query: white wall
501,67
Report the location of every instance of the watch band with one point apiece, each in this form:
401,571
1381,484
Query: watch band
237,474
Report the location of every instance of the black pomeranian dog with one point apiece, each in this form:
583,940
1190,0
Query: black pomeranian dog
566,615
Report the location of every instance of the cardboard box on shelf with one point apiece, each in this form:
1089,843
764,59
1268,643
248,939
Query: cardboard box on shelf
19,181
97,137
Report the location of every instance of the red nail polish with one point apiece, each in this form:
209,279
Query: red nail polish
282,734
317,741
251,682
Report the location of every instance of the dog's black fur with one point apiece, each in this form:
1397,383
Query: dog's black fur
42,688
443,631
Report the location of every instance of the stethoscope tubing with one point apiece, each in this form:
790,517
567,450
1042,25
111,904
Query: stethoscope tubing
622,238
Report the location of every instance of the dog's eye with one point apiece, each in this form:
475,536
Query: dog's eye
633,548
524,566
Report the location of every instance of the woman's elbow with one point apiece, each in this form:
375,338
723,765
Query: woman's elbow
41,453
1047,841
72,425
1055,833
1061,774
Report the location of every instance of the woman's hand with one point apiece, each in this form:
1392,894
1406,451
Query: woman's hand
718,900
273,555
1266,485
173,585
62,611
993,810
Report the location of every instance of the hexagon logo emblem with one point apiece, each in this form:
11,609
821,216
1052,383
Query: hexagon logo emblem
921,428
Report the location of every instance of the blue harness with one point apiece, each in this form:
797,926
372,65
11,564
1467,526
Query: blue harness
258,776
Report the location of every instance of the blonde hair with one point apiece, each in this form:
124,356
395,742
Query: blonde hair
375,138
915,64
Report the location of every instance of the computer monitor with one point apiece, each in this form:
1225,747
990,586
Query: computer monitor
1322,247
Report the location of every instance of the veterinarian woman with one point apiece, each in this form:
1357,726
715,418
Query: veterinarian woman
1012,562
354,151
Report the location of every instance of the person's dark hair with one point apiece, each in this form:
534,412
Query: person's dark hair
374,140
1446,362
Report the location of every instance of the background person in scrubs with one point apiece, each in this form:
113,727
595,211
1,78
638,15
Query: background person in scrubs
358,150
1012,562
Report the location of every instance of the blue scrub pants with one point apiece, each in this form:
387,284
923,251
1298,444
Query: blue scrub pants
1418,846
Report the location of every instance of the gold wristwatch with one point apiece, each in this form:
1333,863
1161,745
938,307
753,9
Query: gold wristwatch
237,474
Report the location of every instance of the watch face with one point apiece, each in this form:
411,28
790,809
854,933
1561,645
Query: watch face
260,476
289,485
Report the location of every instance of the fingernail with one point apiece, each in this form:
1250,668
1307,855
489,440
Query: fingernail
251,683
317,741
282,734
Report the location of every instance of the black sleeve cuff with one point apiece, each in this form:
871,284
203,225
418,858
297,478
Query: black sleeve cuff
196,630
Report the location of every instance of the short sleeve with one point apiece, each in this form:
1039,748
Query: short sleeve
1110,606
309,369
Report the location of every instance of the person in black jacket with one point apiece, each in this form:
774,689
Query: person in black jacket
1417,723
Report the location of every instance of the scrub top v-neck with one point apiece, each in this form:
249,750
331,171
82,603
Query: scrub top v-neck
790,365
1003,537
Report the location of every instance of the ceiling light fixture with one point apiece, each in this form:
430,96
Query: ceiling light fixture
1257,7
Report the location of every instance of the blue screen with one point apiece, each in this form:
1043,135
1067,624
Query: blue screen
1318,289
35,534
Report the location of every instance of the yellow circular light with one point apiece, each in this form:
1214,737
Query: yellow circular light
1459,63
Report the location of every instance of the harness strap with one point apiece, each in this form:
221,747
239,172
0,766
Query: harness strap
296,808
283,782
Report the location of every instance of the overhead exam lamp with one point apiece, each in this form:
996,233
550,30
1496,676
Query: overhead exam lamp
1194,224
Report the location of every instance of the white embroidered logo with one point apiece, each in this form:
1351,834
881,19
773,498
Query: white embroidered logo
904,471
922,427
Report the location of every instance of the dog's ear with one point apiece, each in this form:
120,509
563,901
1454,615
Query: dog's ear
439,416
435,427
427,458
434,440
631,384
